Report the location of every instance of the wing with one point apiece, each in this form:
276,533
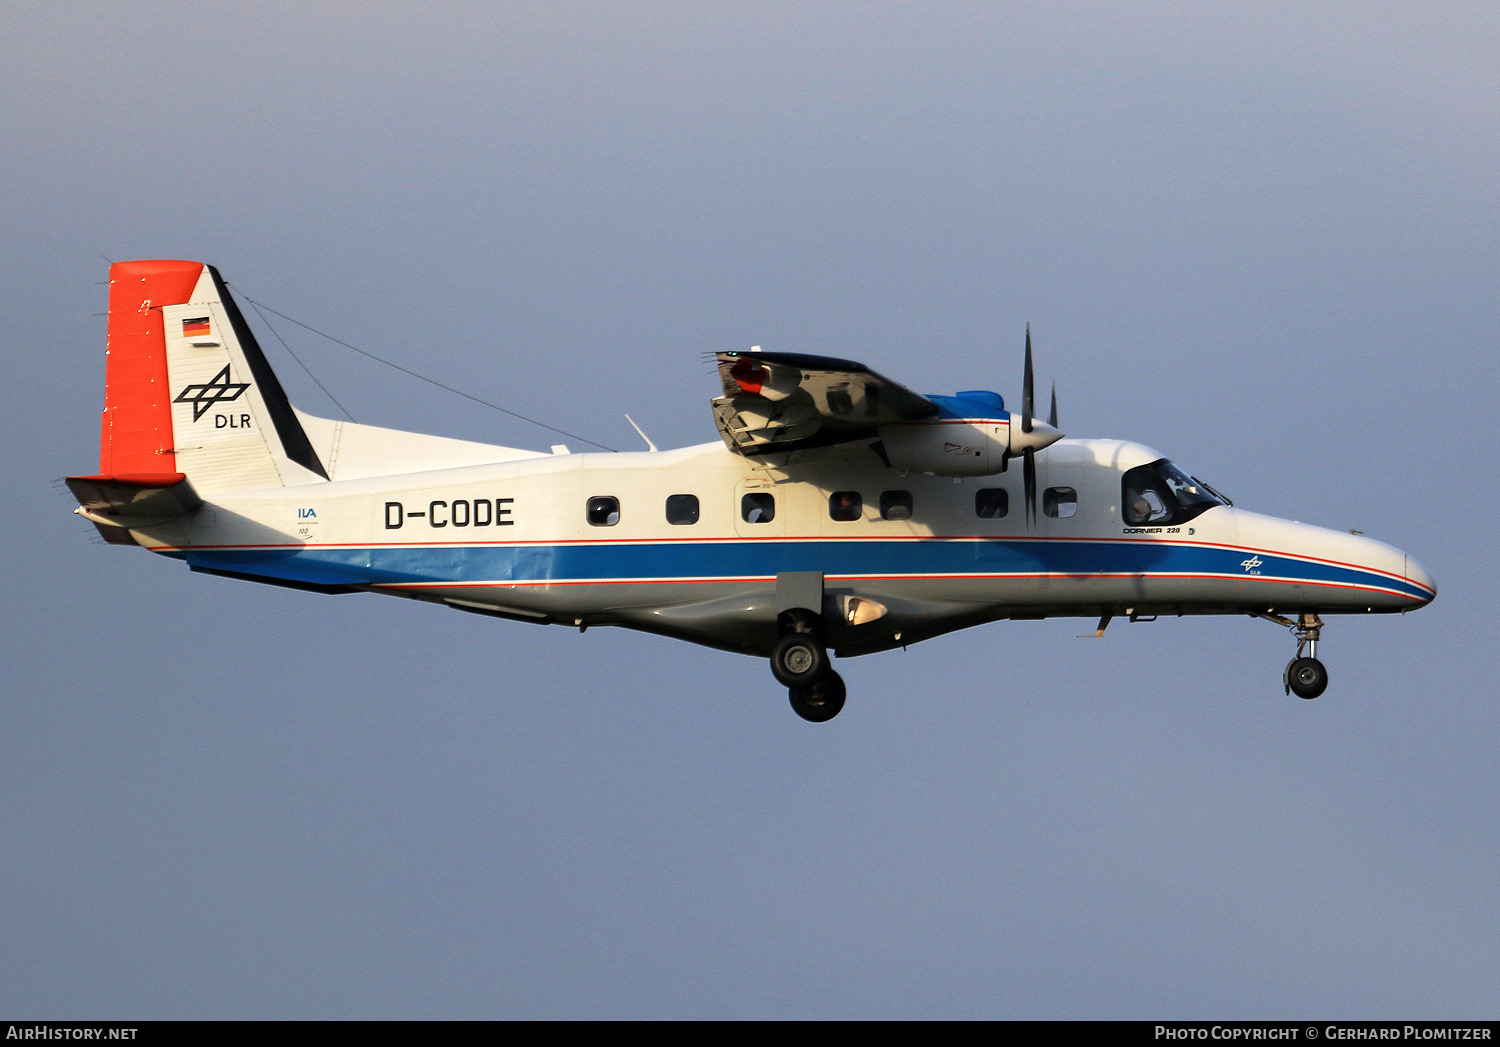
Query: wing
775,403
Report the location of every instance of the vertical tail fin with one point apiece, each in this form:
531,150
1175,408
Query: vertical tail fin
188,389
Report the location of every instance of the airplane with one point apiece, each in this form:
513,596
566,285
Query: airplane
840,513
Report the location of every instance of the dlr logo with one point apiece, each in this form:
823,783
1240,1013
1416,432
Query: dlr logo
229,421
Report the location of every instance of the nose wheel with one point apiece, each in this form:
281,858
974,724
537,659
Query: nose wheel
1305,676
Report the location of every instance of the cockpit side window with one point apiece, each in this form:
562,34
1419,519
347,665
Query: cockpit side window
1190,493
1144,498
1161,493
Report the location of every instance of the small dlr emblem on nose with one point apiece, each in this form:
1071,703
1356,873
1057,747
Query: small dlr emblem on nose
229,421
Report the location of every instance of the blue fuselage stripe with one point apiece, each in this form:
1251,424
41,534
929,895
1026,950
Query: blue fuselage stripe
583,562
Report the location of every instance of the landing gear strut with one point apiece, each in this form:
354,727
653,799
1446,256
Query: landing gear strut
1304,676
799,661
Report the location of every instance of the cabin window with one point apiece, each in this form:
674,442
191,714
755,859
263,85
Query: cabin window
991,503
682,509
758,507
603,511
895,505
845,506
1060,501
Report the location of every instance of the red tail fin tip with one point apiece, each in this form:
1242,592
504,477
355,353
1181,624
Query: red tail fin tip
136,431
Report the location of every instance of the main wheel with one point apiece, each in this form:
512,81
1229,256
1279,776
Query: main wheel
822,700
798,659
1306,677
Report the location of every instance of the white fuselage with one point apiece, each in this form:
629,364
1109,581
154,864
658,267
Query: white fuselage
513,539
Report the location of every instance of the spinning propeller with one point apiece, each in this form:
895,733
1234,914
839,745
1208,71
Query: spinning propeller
1033,435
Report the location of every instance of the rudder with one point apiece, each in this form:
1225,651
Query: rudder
136,430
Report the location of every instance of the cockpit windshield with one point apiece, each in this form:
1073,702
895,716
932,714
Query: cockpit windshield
1161,493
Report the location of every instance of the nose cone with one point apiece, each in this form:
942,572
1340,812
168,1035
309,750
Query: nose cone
1041,435
1329,570
1418,576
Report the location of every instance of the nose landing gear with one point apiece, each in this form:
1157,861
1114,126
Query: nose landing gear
799,661
1305,676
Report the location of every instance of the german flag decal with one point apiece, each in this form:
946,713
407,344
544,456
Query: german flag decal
196,328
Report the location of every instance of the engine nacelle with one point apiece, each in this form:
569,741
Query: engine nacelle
947,448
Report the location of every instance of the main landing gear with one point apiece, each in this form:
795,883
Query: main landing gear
1304,676
799,661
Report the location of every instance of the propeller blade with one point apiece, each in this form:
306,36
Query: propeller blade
1028,464
1027,397
1052,415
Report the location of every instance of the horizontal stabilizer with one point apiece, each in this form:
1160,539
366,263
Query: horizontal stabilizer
133,500
276,567
324,586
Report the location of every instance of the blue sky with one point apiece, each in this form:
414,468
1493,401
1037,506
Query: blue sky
1263,241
